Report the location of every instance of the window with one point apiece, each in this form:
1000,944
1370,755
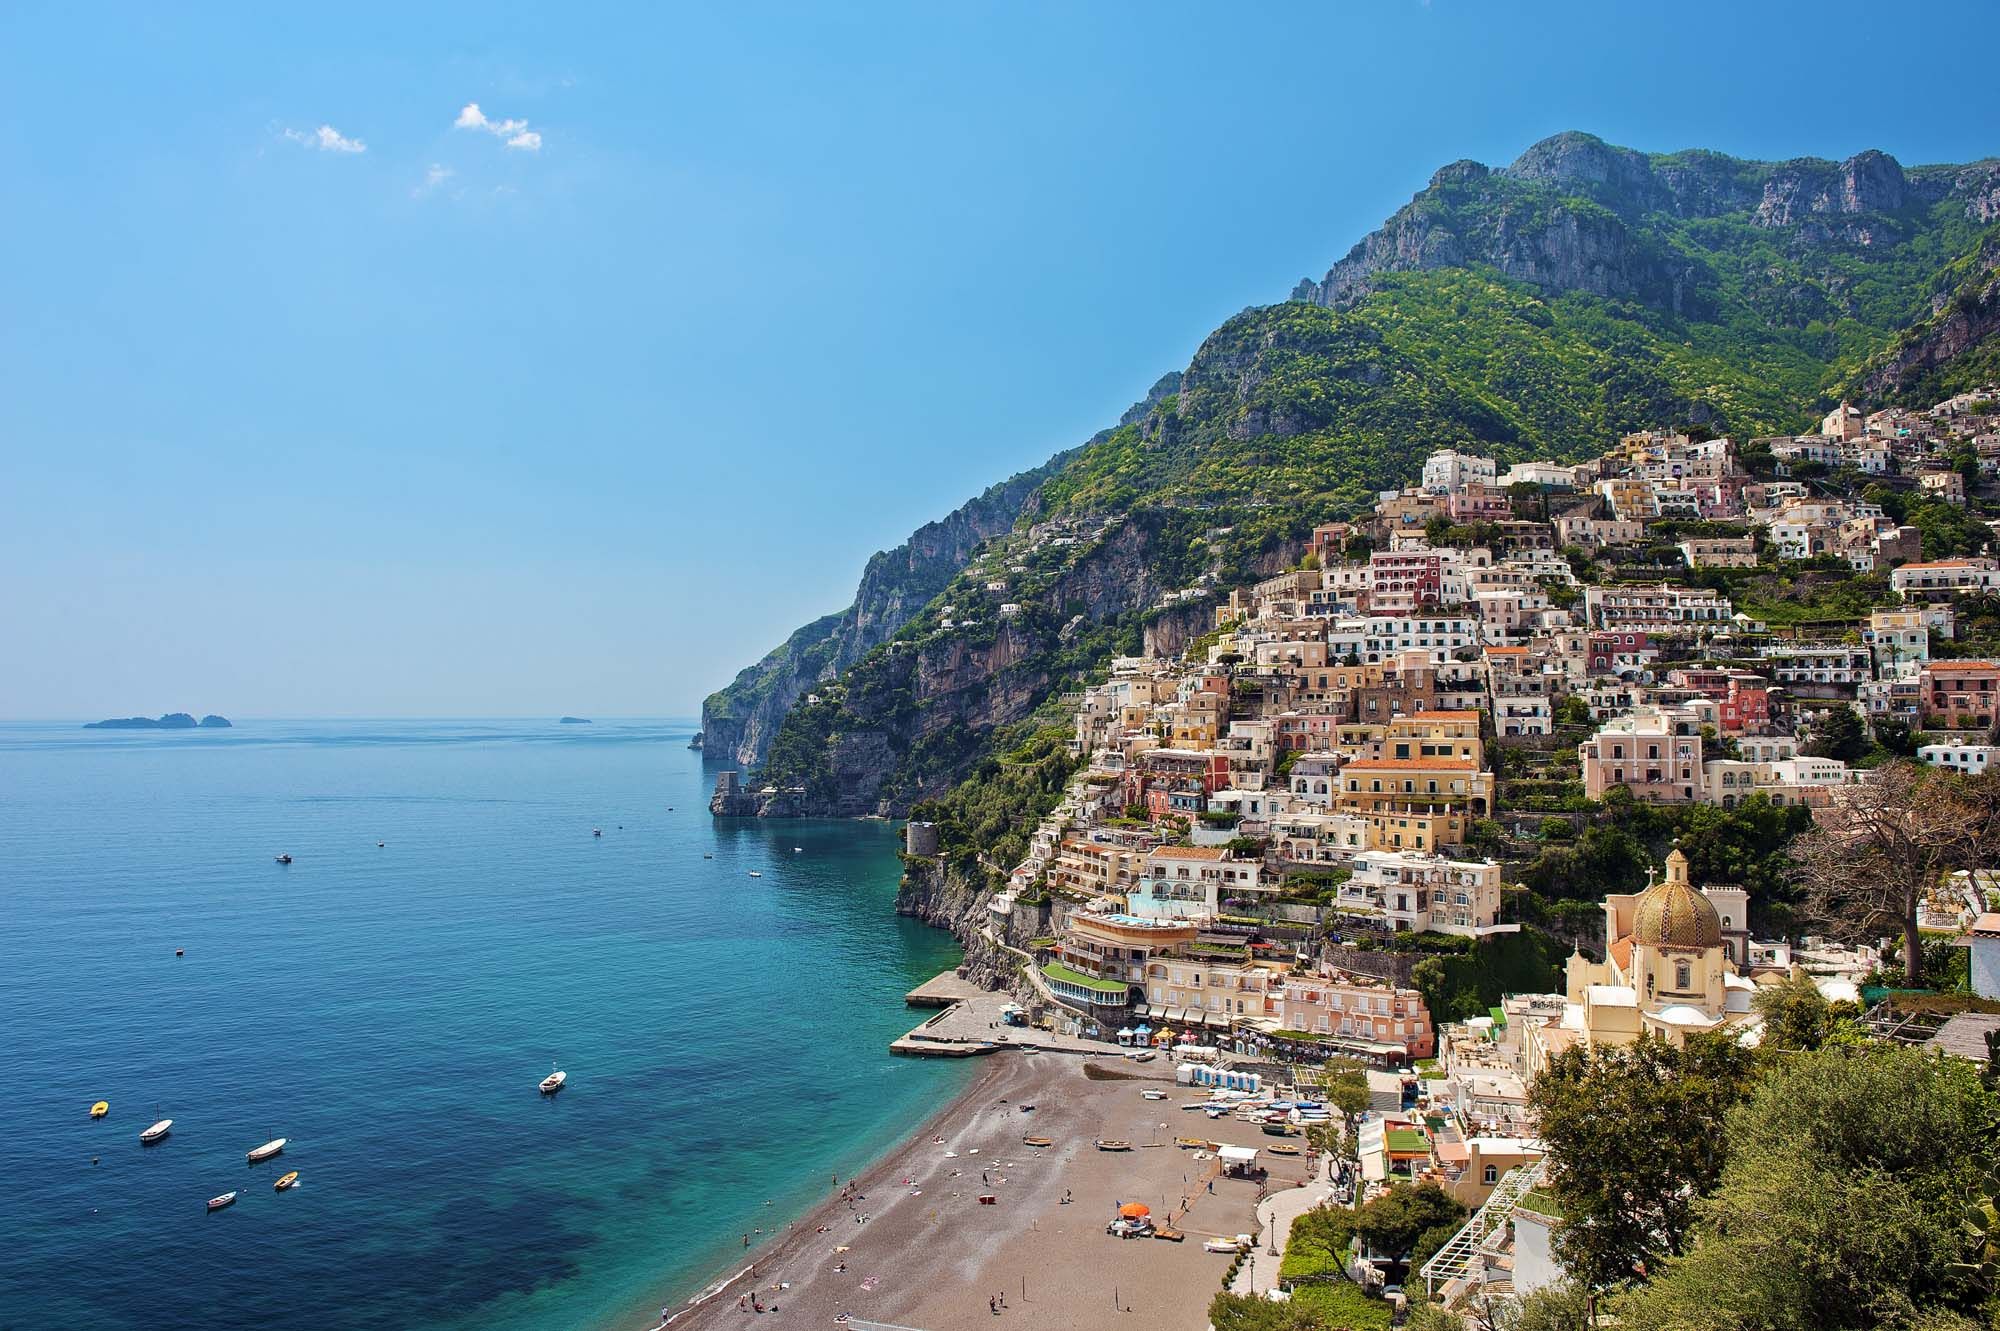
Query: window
1683,975
1492,1175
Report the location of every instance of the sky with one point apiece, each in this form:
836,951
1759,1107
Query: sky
503,360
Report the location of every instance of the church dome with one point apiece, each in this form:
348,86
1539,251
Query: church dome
1672,914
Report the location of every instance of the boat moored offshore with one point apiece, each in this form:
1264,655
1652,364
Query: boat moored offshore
270,1148
157,1132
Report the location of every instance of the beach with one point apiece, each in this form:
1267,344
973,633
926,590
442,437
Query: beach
911,1245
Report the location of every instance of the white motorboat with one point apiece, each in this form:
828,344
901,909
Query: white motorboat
157,1131
270,1148
554,1081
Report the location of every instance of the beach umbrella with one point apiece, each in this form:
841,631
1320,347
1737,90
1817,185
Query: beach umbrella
1133,1210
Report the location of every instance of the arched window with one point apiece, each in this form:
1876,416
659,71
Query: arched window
1683,975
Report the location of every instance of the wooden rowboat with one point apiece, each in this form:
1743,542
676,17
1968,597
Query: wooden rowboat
1038,1141
1194,1144
1113,1145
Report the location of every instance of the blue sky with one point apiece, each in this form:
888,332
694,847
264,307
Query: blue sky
583,413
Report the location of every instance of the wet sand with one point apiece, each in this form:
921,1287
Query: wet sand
922,1253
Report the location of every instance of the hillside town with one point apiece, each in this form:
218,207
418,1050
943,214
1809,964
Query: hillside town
1277,841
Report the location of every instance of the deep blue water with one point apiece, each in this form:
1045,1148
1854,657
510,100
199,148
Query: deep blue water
390,1010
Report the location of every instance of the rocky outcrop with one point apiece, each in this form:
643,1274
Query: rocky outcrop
1574,213
738,722
1962,335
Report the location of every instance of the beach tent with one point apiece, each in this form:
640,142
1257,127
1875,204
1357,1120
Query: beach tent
1237,1159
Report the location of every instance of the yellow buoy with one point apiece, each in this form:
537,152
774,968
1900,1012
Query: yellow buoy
100,1109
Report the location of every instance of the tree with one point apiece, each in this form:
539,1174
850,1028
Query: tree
1565,1307
1838,733
1842,1204
1796,1014
1865,870
1393,1223
1632,1145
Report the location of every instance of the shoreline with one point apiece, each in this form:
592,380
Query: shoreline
805,1225
964,1222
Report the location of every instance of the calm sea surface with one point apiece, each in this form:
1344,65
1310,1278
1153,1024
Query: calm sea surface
390,1009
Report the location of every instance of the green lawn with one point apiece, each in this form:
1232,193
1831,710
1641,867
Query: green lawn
1055,970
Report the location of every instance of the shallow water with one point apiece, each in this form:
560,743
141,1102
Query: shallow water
390,1009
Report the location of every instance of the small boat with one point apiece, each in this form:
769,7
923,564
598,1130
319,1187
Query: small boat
1282,1148
1038,1141
1112,1144
1030,1049
798,850
754,873
284,859
1226,1245
554,1081
226,1199
157,1132
100,1109
1143,1056
285,1181
708,857
597,831
1169,1233
1153,1093
1027,1109
1193,1144
270,1148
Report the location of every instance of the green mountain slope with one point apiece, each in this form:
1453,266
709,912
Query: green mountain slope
1537,311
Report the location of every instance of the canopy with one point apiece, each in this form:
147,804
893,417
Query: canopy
1133,1210
1238,1155
1142,1029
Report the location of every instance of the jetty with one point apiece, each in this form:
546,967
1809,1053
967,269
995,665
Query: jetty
972,1024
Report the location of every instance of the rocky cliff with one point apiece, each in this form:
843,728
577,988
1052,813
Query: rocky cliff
1952,350
739,721
1678,232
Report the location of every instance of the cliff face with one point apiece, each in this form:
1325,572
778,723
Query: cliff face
1670,231
904,724
1953,350
738,722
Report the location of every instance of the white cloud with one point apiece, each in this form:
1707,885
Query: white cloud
326,139
515,133
433,178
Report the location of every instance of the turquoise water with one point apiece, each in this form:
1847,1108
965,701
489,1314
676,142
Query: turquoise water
390,1010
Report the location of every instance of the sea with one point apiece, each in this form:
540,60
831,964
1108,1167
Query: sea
451,927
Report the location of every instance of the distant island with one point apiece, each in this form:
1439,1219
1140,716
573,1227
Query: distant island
171,721
574,721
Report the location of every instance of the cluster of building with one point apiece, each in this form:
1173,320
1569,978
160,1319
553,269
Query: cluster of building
1318,766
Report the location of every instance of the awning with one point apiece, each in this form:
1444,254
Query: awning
1237,1155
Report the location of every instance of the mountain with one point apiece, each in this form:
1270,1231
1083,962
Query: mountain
739,720
1537,310
171,721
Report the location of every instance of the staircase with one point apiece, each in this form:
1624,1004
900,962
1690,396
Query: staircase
1456,1258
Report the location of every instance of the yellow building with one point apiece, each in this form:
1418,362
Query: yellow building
1666,968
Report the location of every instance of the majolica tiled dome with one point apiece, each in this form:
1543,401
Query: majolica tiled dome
1673,914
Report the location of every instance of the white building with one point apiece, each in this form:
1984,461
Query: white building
1968,758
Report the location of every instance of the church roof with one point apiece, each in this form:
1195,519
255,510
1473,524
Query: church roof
1671,914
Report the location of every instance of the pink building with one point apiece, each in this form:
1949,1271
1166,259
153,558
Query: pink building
1367,1014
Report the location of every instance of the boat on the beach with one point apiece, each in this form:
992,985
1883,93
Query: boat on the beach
1194,1144
1113,1144
285,1181
1153,1093
554,1081
1283,1148
1169,1233
1038,1141
1220,1244
1031,1049
226,1199
100,1109
157,1132
270,1148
